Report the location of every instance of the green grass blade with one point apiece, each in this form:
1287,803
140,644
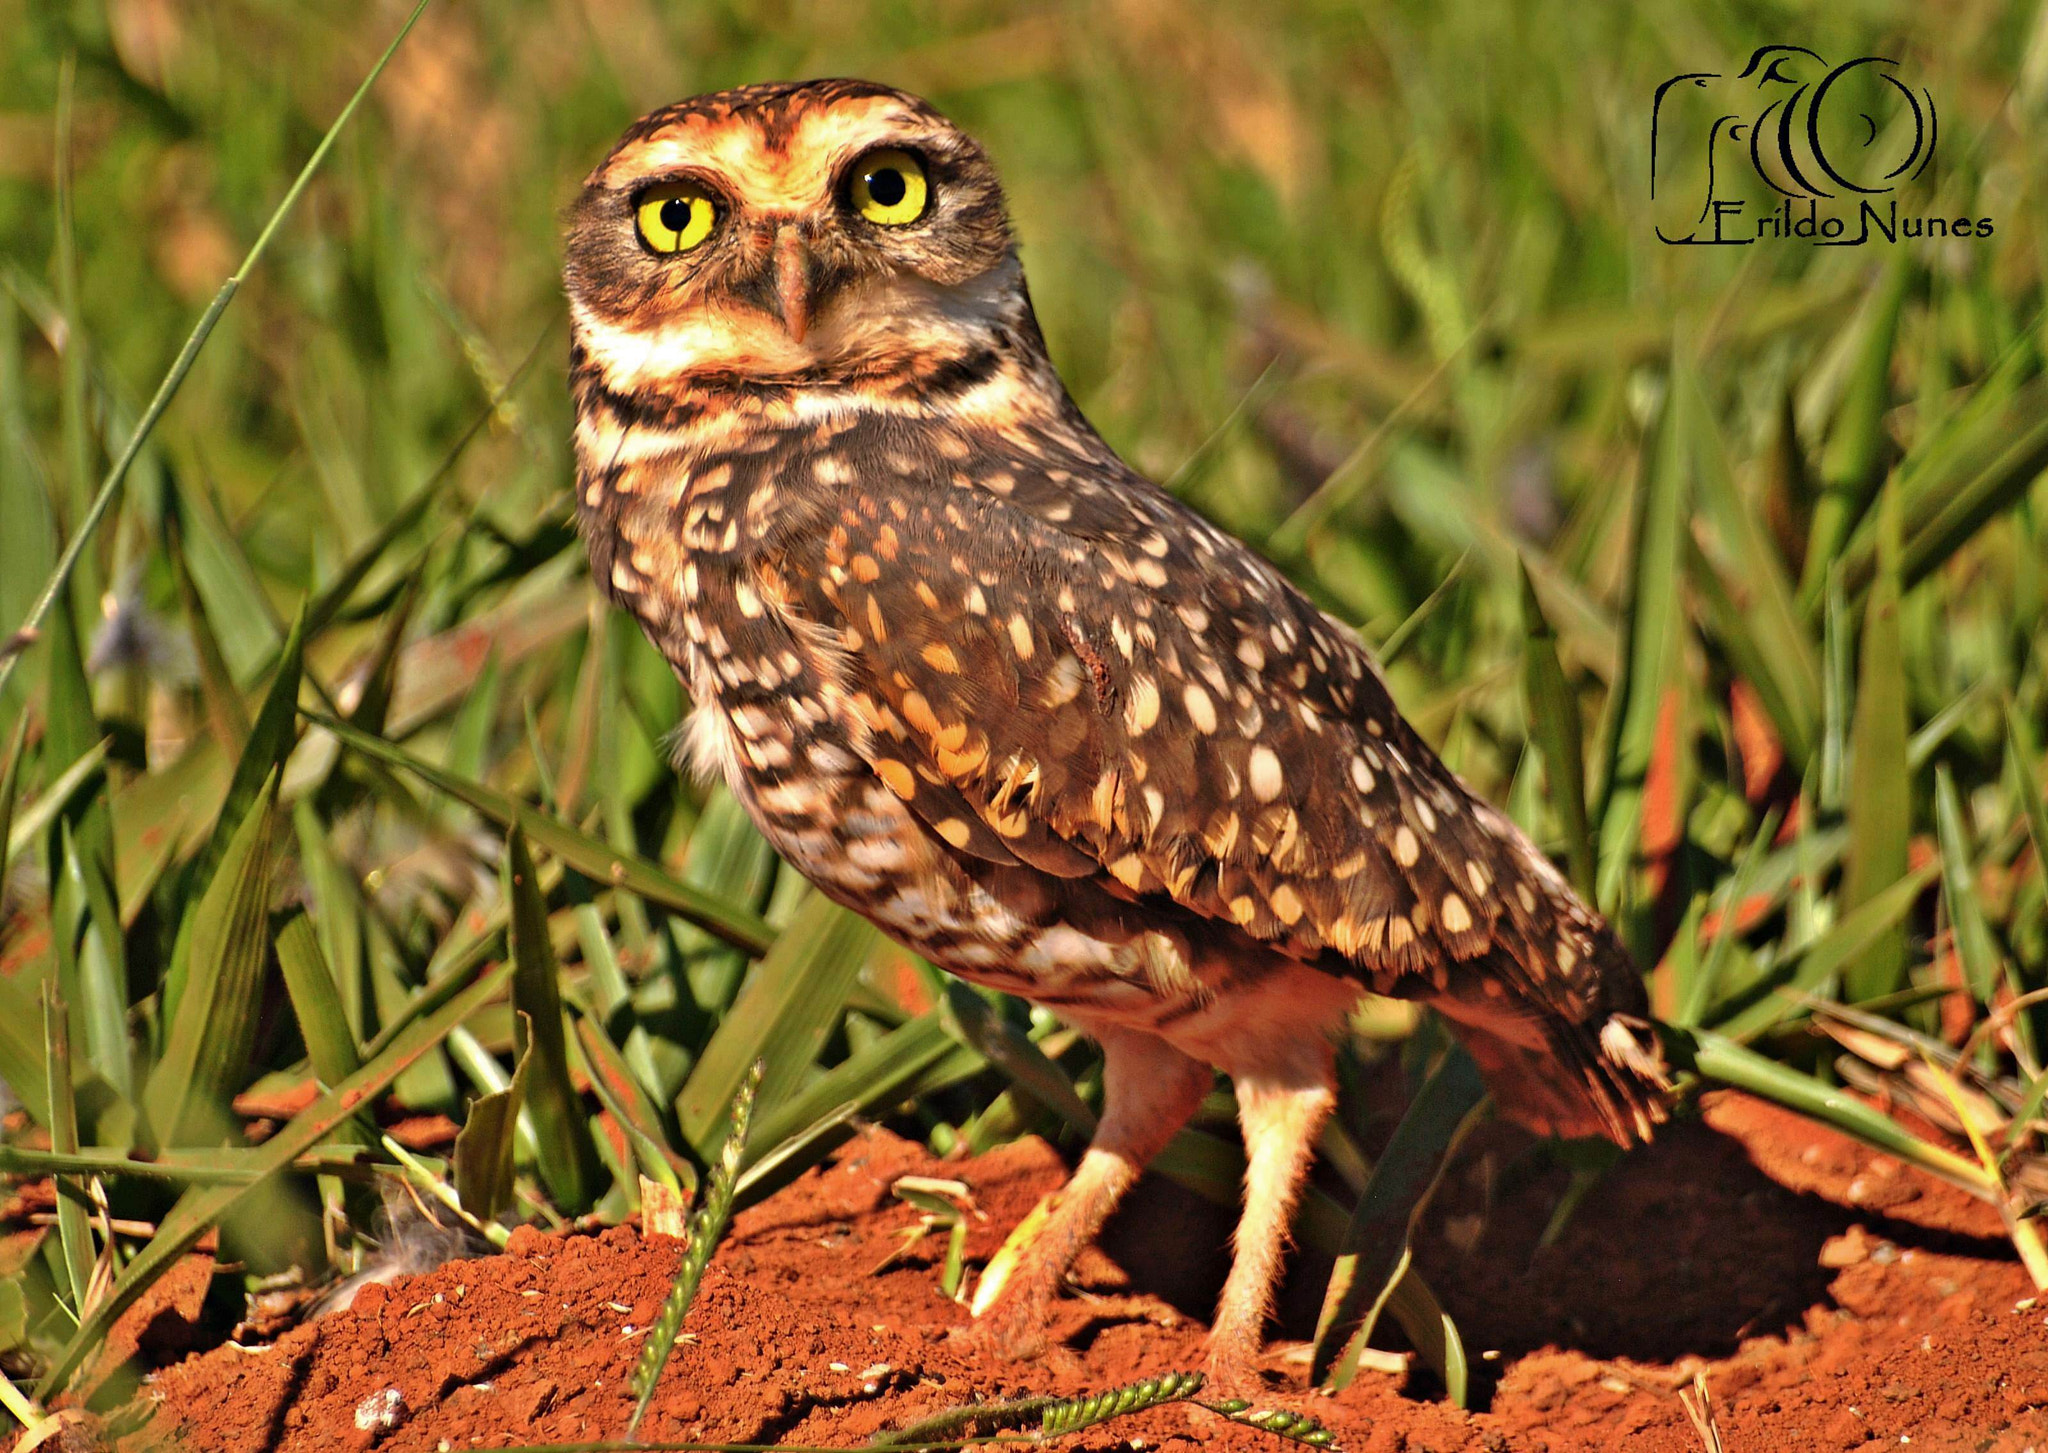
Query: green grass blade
1766,645
74,1231
316,1001
10,788
1720,1059
28,527
1651,651
2027,774
380,674
568,1157
206,1047
484,1147
1554,722
226,581
270,743
1012,1052
187,355
1855,450
83,903
21,1047
1879,803
35,819
202,1207
1977,468
865,1083
788,1004
1835,952
1838,695
1974,948
1378,1236
728,859
590,856
1752,606
1699,989
271,739
1398,640
706,1227
224,710
99,992
218,1166
626,1100
73,361
1968,507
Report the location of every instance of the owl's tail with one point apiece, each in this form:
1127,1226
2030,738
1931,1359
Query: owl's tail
1599,1072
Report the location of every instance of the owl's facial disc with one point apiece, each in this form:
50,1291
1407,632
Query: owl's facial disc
816,233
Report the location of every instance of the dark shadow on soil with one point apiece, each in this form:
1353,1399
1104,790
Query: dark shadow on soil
1683,1248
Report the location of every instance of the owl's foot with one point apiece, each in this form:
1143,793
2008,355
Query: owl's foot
1015,1329
1233,1370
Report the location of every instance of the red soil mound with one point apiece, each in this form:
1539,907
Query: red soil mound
1834,1299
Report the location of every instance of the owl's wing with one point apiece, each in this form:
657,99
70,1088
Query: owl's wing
1099,683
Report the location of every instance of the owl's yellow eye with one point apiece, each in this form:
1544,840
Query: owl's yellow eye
889,188
674,217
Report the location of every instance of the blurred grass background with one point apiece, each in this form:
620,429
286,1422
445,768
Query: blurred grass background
1723,568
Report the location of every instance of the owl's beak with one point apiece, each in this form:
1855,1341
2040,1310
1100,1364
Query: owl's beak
793,283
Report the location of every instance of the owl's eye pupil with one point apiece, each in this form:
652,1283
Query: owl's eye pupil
886,186
675,213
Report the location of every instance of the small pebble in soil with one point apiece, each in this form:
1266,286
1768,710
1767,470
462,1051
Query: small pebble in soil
380,1412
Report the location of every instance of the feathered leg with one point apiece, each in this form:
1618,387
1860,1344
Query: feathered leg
1281,1116
1149,1089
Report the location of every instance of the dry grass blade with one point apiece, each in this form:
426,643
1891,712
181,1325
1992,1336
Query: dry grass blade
1699,1411
2024,1231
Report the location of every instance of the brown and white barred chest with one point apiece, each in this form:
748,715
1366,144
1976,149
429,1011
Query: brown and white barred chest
693,546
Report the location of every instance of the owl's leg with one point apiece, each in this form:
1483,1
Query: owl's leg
1281,1113
1149,1089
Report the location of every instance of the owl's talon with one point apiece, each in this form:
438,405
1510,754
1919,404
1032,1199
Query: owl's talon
1006,1332
1232,1374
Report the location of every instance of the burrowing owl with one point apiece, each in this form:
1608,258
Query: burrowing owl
980,681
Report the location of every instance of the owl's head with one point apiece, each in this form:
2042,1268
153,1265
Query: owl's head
818,231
